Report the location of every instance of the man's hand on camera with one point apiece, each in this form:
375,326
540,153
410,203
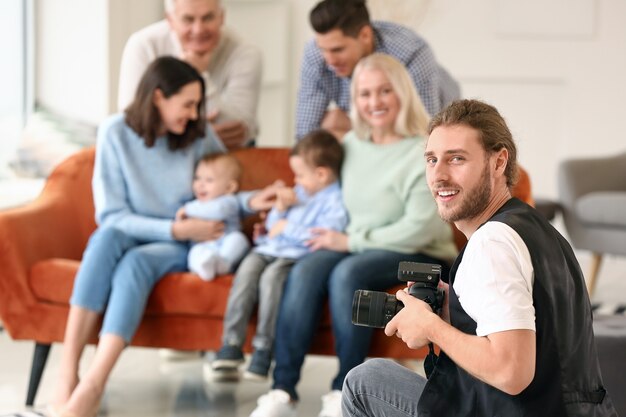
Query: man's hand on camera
327,239
411,324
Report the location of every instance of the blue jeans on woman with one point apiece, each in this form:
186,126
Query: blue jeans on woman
334,275
118,272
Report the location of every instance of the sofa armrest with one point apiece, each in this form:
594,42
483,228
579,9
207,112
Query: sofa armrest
56,225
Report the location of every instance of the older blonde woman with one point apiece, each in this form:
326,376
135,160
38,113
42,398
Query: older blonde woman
393,218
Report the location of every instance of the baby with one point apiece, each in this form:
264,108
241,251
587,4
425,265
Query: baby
215,182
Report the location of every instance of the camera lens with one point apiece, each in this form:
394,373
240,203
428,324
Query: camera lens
374,308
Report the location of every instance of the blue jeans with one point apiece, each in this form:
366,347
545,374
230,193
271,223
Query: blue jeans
381,387
334,275
119,272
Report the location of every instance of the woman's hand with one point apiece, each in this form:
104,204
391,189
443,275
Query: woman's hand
197,230
264,199
328,239
180,214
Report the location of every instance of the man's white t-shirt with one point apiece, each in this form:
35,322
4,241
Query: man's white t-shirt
494,282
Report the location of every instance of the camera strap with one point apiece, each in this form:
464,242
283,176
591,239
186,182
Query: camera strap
430,360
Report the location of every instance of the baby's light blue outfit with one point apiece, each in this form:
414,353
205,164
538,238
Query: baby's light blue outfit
220,256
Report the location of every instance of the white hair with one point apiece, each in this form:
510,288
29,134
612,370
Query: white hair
169,5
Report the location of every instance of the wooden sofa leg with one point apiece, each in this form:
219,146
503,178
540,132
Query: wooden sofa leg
596,261
40,356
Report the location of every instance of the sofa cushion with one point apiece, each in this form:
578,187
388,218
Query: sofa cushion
604,208
178,293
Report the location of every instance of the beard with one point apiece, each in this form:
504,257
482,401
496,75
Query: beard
475,202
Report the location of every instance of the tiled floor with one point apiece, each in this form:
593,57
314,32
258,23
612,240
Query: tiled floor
144,384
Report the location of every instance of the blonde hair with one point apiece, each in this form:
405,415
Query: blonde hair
413,119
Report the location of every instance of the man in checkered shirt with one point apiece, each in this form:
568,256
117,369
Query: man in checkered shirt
345,34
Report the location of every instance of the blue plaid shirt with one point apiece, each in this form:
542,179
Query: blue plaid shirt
319,85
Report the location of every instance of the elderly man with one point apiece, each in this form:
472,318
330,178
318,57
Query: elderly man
343,35
193,31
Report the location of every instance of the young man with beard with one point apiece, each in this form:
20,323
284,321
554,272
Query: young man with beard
516,332
344,34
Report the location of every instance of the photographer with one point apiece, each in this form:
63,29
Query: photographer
518,340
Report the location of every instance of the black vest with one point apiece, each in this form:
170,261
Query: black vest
567,379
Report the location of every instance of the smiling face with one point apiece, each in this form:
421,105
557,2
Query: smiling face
458,171
312,179
178,109
376,101
342,52
213,179
197,24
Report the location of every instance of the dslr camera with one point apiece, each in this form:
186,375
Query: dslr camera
376,309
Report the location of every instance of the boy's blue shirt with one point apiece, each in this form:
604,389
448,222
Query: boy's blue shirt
324,209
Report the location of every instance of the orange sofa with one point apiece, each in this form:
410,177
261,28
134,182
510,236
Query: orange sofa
41,245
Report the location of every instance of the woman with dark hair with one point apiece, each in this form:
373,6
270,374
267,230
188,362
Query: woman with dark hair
142,175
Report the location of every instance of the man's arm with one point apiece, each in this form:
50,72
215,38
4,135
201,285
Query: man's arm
236,120
424,71
312,100
337,122
504,360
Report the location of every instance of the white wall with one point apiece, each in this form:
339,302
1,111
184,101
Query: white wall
71,61
553,68
79,47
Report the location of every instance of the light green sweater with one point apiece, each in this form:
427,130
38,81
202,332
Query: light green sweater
389,203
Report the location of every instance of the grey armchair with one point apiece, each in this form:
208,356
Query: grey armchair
593,199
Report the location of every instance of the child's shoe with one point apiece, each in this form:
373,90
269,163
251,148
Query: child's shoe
226,363
259,366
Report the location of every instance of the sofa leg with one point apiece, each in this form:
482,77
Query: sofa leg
596,261
40,356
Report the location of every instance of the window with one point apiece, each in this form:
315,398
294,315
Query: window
16,74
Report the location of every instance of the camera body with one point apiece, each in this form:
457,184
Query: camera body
376,309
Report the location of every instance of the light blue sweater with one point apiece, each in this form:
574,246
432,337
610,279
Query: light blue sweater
138,189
